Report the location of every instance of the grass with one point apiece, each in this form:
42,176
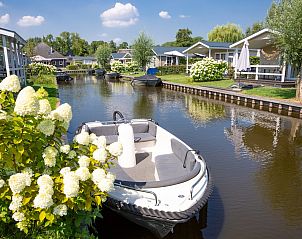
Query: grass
271,92
183,79
49,83
134,74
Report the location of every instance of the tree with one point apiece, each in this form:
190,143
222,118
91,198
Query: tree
112,45
256,27
94,46
79,46
142,50
226,33
123,45
103,54
31,43
184,37
285,17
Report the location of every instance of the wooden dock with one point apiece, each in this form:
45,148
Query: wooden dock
83,71
255,102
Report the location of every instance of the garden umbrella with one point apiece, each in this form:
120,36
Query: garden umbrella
243,63
235,60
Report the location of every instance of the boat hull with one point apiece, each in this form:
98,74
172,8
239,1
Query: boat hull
147,80
160,223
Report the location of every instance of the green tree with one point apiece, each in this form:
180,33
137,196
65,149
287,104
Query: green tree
256,27
123,45
103,54
79,46
226,33
142,50
94,46
184,37
31,43
112,45
285,17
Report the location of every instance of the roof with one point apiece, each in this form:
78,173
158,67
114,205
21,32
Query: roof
82,58
13,34
120,55
160,50
257,40
208,45
47,52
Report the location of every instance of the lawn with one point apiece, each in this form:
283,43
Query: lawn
50,86
183,79
271,92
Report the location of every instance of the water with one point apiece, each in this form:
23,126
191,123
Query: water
255,158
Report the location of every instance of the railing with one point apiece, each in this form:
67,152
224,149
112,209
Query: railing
258,73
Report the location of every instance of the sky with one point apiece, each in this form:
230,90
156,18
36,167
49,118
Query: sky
123,20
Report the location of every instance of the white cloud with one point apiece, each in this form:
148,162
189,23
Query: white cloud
117,40
4,19
164,14
121,15
27,21
1,4
183,16
104,34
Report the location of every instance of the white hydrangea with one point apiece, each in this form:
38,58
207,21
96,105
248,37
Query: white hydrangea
44,107
98,175
71,184
115,149
10,83
62,113
104,182
60,210
100,142
16,202
65,149
72,154
84,161
18,182
26,102
83,173
92,137
47,127
65,170
100,155
43,200
18,216
49,156
82,138
45,181
2,182
65,125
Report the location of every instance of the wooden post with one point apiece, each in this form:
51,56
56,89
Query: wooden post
257,72
4,44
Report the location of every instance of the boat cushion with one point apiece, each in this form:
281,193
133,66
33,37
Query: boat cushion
104,130
143,137
181,150
111,139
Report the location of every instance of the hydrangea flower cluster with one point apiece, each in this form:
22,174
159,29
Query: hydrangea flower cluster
60,210
102,180
44,198
208,69
47,127
71,184
18,182
10,83
49,156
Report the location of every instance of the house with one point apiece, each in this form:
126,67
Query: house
12,60
123,57
271,66
163,57
47,55
85,60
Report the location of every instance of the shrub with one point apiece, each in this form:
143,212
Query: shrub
132,66
48,189
38,69
254,60
72,67
208,70
45,79
117,66
166,70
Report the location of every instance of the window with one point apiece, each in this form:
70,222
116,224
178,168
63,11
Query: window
220,56
169,61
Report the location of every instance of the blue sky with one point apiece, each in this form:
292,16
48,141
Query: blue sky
160,19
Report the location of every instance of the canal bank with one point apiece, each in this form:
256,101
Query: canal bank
266,104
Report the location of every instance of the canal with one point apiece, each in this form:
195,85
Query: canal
255,158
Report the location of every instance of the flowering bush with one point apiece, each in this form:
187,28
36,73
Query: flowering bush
38,69
46,187
117,66
208,69
132,66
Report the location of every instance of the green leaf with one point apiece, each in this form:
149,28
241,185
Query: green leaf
98,200
42,216
17,141
26,200
50,217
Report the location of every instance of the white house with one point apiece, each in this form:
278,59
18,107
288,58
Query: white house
12,60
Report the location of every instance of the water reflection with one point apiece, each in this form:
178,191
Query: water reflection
276,143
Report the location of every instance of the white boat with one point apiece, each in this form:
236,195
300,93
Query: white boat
160,180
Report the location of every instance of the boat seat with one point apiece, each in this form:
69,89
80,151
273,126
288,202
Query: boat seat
180,150
143,131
